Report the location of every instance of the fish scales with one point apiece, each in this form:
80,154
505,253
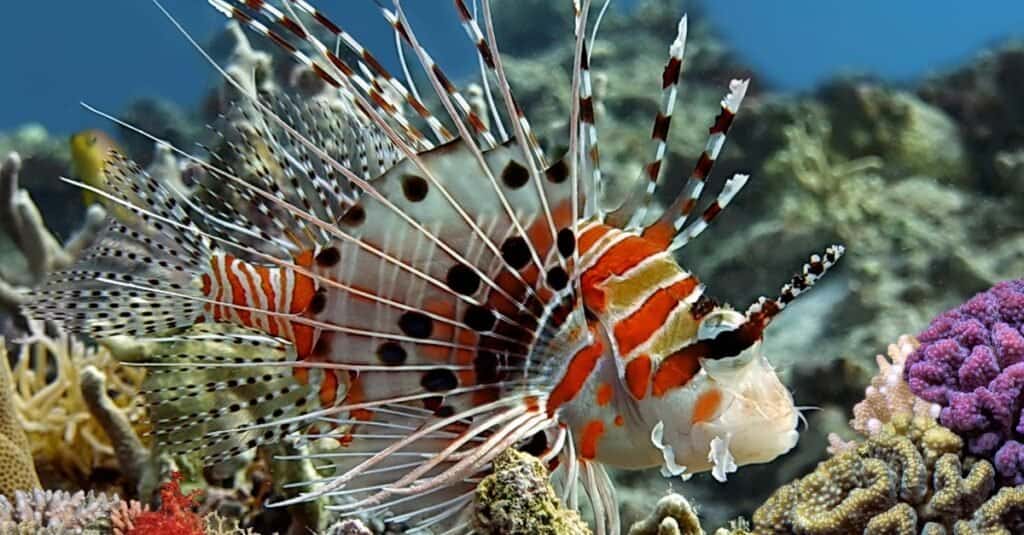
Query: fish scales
427,300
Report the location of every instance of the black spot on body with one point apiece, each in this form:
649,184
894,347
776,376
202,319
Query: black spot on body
566,242
486,366
416,324
391,354
536,445
354,216
318,303
515,175
461,279
516,252
328,257
557,278
439,380
479,318
444,411
414,187
558,172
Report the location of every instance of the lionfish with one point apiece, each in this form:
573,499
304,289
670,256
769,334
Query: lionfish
430,292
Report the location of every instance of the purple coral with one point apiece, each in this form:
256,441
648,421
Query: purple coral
971,362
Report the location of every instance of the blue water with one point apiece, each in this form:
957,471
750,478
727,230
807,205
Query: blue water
57,53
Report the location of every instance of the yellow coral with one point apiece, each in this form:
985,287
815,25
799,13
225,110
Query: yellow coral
63,436
17,472
911,471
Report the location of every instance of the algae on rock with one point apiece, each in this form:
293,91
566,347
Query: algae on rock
517,499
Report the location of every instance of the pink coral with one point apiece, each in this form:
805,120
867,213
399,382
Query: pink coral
889,395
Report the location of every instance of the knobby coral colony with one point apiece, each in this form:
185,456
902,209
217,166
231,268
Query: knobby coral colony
971,362
430,299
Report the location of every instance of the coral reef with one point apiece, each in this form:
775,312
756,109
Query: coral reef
66,441
517,499
17,471
55,512
912,472
23,223
970,363
889,395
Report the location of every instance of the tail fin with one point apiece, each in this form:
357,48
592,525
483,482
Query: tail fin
140,276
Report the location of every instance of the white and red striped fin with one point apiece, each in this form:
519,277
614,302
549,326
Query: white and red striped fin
764,309
485,60
694,229
331,69
634,209
676,214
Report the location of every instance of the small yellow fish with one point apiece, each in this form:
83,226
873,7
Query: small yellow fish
89,152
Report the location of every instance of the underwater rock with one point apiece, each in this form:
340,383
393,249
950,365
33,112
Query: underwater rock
517,499
672,515
910,474
911,136
970,363
983,97
17,471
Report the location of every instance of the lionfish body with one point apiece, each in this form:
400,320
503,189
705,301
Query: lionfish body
426,301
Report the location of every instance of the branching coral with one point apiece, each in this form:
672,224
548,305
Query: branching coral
518,499
889,395
55,512
971,361
43,252
910,474
63,434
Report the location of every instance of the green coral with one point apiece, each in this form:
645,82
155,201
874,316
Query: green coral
518,499
910,478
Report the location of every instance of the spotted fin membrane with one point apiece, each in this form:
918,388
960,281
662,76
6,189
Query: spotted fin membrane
413,287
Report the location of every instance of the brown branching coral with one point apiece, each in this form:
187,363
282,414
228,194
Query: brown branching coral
43,252
17,471
909,476
64,436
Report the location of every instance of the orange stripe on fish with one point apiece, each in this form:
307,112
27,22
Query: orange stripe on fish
580,366
639,326
620,258
638,376
707,406
677,369
588,440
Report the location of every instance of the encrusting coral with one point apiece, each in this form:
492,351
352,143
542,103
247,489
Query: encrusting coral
517,499
971,362
17,471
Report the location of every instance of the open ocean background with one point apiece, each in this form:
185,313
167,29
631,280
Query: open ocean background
110,51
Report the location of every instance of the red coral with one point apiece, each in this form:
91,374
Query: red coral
176,515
